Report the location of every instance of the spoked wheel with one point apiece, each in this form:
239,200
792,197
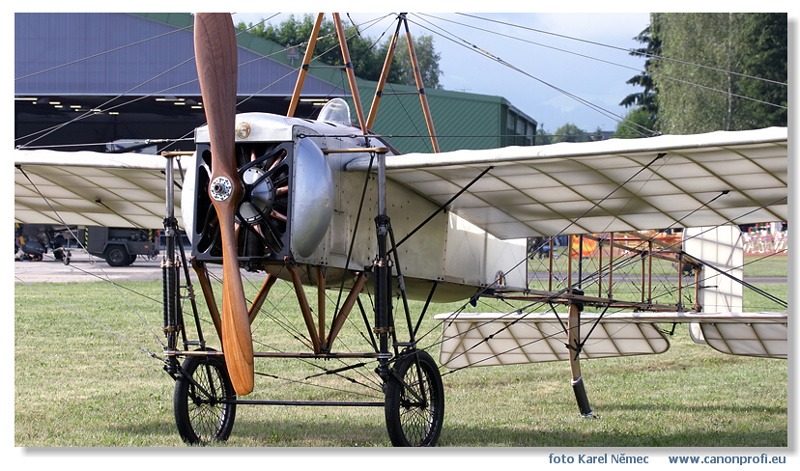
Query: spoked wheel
204,411
415,401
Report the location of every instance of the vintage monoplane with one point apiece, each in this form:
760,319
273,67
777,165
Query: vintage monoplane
328,206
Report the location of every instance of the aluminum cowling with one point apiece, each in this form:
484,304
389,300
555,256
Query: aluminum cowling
312,198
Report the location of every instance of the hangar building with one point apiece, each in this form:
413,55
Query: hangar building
84,80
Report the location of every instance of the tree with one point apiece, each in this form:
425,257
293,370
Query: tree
427,57
765,57
294,32
646,98
597,135
640,121
570,133
711,75
366,54
542,137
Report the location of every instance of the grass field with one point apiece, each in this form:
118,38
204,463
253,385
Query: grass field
84,377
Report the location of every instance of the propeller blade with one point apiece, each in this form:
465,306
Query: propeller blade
215,54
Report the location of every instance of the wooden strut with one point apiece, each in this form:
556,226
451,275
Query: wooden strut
574,345
208,295
301,77
348,67
255,306
550,255
611,268
320,302
600,264
320,343
644,272
320,349
347,307
423,98
679,305
697,307
387,65
304,308
366,124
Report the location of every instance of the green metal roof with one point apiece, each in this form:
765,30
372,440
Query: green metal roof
461,120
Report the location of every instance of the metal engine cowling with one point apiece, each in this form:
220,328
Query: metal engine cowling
286,208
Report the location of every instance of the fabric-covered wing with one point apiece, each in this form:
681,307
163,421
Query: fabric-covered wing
90,188
734,177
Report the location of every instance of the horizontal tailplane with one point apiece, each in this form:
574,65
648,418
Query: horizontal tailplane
505,339
491,339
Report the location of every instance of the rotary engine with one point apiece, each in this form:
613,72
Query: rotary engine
286,207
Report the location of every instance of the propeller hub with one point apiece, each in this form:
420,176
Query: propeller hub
221,189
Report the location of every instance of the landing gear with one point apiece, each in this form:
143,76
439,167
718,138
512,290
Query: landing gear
414,401
409,387
204,400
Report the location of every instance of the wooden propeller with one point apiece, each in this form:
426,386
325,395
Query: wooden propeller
215,54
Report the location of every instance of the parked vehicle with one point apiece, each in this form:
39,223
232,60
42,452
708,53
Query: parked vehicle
120,246
34,244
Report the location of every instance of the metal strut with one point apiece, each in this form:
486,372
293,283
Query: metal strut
169,272
173,261
383,273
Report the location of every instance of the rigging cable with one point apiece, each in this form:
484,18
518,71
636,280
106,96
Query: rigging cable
629,51
479,50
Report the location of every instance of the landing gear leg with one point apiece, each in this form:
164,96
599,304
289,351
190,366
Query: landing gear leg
574,340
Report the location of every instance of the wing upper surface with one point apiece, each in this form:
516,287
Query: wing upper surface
90,188
710,179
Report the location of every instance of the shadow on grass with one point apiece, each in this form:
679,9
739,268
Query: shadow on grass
293,433
556,438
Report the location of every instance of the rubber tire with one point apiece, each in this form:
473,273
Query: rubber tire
61,254
117,256
203,419
409,424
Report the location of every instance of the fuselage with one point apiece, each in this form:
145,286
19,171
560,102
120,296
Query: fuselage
329,212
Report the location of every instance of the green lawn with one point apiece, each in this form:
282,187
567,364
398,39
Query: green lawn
84,377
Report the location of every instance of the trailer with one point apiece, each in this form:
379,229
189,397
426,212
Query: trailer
120,246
